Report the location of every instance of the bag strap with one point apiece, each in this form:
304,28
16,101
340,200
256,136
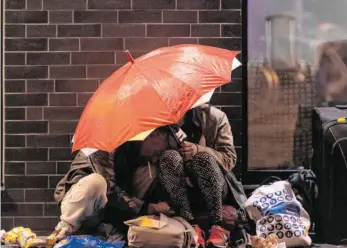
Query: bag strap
270,180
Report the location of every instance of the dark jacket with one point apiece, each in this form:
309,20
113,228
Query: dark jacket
216,139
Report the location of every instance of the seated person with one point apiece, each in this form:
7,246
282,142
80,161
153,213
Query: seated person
109,186
201,161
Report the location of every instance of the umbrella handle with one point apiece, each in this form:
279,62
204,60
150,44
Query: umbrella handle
174,136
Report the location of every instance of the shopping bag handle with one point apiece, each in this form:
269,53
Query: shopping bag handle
270,180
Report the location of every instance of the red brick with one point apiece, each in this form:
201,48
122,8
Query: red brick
123,30
140,16
13,195
14,58
41,31
82,58
233,112
62,99
14,168
63,167
203,30
37,168
14,4
17,127
58,113
224,99
101,44
67,72
82,85
57,58
122,58
198,4
100,71
7,223
26,16
60,16
64,44
232,30
14,86
34,4
82,30
234,86
26,72
107,4
168,30
226,43
180,41
145,44
60,154
170,16
51,210
96,16
48,141
25,154
227,4
40,86
26,99
39,223
11,209
53,181
15,113
34,113
69,5
31,44
59,127
220,16
154,4
14,141
26,181
83,98
14,31
39,195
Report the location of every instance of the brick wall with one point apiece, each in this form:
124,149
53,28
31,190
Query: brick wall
59,51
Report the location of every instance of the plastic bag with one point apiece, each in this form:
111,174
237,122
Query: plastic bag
276,210
87,242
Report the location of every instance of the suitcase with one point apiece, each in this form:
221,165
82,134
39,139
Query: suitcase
329,163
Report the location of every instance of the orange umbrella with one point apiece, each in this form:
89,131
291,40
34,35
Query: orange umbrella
154,90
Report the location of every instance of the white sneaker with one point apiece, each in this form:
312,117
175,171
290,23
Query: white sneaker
65,230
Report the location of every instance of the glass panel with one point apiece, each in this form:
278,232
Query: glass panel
297,60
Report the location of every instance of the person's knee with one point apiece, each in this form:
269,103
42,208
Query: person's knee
170,158
94,185
204,159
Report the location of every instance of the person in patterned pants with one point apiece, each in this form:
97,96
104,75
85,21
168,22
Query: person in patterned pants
200,163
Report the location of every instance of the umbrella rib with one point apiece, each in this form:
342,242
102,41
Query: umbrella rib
144,75
116,98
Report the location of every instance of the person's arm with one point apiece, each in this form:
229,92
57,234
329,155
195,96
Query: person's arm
224,151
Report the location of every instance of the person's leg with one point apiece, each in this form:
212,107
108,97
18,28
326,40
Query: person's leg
213,187
211,183
172,177
84,200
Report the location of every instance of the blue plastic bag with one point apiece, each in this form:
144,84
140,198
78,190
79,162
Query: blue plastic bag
90,242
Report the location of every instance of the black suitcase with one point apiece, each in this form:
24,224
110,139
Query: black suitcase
329,163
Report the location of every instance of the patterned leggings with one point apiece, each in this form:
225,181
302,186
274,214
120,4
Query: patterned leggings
204,173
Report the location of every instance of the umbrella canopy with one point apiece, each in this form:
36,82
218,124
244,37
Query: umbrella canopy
154,90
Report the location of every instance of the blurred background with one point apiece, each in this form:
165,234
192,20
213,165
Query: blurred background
297,53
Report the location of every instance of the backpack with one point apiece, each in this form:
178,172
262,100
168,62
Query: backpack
160,232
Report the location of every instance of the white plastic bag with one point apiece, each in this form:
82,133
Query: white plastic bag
276,210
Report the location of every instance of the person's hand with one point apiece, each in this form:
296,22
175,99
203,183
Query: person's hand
161,207
188,150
